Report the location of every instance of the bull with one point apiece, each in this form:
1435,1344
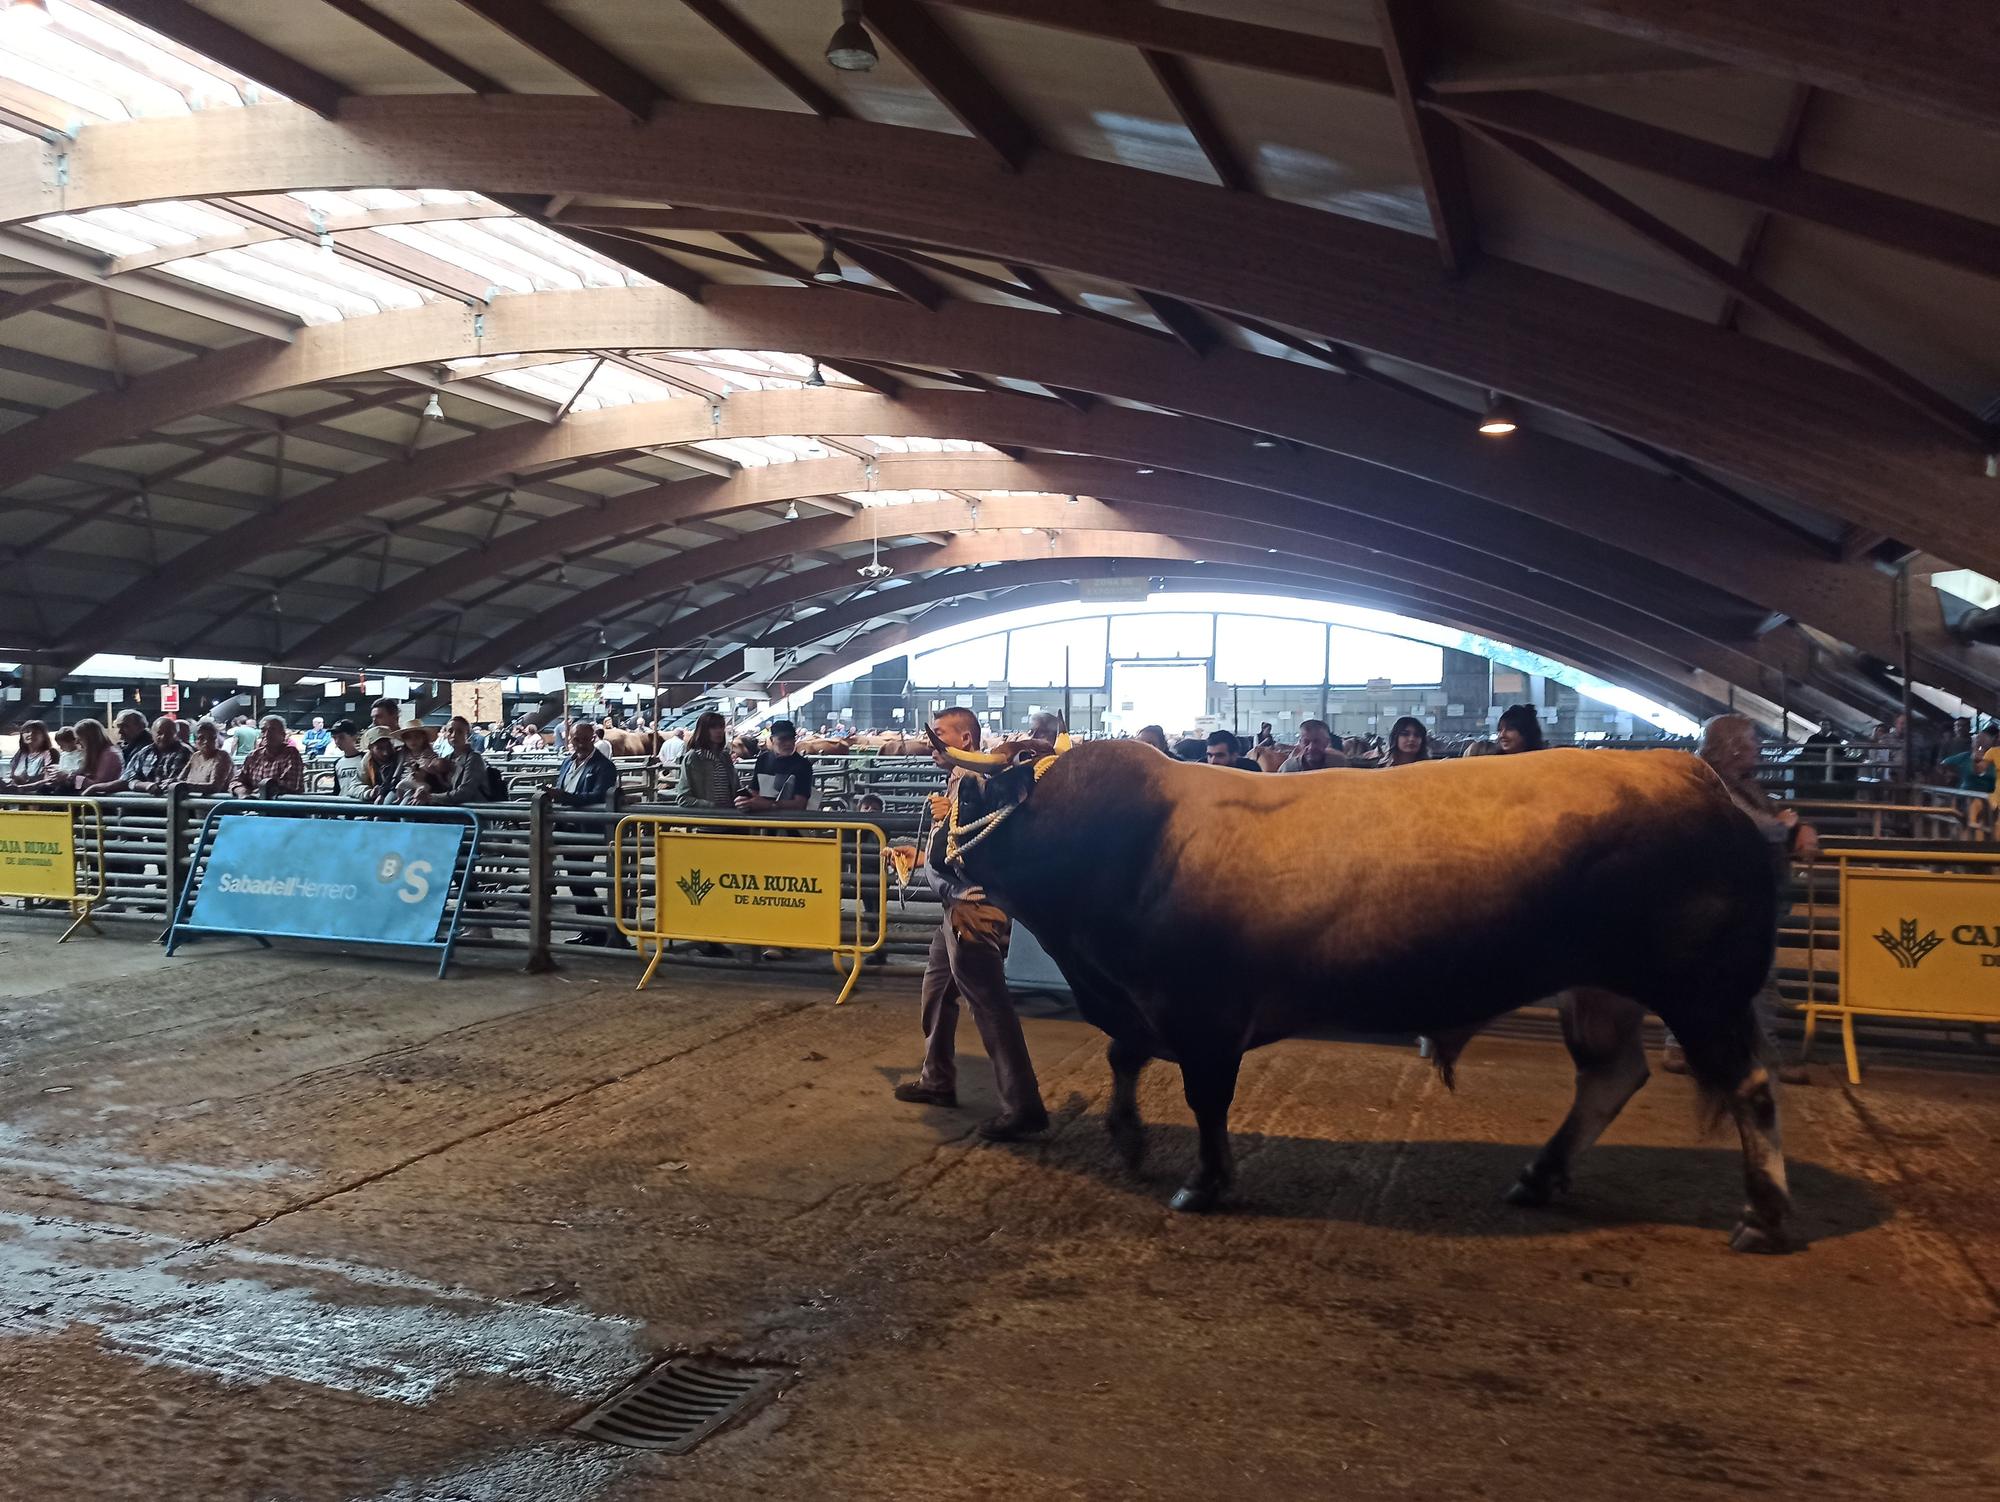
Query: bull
1198,912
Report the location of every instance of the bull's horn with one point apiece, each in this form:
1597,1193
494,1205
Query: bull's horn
974,761
1062,743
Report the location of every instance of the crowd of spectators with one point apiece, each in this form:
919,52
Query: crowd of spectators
1409,740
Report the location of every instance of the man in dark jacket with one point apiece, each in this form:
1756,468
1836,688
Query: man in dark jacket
586,780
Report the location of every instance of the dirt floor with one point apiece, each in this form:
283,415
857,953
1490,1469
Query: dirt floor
299,1225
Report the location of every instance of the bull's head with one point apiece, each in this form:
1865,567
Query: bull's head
1006,776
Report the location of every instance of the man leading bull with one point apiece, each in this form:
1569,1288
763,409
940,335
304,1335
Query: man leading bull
968,959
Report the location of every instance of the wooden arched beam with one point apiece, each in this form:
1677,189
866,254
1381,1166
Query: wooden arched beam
1797,425
1645,514
1123,532
1431,522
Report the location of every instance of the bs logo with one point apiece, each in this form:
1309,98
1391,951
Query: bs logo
416,876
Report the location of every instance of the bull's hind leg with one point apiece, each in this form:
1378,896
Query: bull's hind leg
1128,1132
1604,1037
1208,1079
1767,1212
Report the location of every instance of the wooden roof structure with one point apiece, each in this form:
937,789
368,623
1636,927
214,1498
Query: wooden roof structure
459,336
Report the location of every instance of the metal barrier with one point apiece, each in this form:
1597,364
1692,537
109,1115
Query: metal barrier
1856,819
1940,965
345,812
40,858
775,885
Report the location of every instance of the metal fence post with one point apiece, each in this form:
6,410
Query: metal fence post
541,882
174,865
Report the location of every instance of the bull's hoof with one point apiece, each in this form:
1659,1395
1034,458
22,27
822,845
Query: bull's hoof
1195,1199
1534,1190
1760,1240
1128,1135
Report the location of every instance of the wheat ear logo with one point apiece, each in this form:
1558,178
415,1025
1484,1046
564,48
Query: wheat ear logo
1908,949
694,887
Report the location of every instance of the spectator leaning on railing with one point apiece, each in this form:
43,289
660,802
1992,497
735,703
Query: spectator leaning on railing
34,759
274,768
708,776
585,780
209,768
97,760
1972,770
150,768
133,736
315,740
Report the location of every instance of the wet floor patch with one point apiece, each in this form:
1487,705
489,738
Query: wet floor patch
244,1316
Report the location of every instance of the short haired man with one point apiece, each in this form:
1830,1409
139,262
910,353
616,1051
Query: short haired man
161,760
781,778
133,735
585,780
274,768
1156,737
385,722
1220,750
967,959
1315,751
1045,726
316,738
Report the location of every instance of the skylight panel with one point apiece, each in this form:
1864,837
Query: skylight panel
315,266
259,270
212,271
422,238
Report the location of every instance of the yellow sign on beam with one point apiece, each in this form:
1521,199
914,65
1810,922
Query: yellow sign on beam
1920,943
38,855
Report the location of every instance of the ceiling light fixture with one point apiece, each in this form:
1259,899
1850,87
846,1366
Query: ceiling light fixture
434,408
1073,501
792,512
1144,471
851,49
828,273
1499,419
813,376
1263,443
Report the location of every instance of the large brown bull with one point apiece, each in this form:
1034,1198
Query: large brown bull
1199,911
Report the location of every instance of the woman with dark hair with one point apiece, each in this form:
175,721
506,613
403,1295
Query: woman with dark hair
1409,741
1520,729
35,760
708,776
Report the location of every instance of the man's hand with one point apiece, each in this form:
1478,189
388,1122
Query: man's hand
1805,844
751,801
940,806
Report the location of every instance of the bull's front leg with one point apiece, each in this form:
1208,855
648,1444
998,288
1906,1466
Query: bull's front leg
1128,1132
1209,1083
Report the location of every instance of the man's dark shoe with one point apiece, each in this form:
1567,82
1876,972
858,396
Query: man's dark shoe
1014,1128
917,1093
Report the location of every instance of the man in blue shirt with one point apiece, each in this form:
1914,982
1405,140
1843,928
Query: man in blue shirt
316,738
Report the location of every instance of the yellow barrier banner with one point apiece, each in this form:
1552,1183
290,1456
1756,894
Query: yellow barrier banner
38,855
1920,942
748,889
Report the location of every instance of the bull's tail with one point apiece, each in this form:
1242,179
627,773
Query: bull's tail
1723,1045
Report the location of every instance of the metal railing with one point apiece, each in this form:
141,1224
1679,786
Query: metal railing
540,871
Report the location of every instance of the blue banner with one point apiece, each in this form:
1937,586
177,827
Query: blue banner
382,880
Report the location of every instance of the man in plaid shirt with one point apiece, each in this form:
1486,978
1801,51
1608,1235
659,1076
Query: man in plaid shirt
273,768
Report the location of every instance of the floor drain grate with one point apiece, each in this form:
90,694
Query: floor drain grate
680,1403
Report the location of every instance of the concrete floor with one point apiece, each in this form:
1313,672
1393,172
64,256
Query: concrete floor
296,1225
